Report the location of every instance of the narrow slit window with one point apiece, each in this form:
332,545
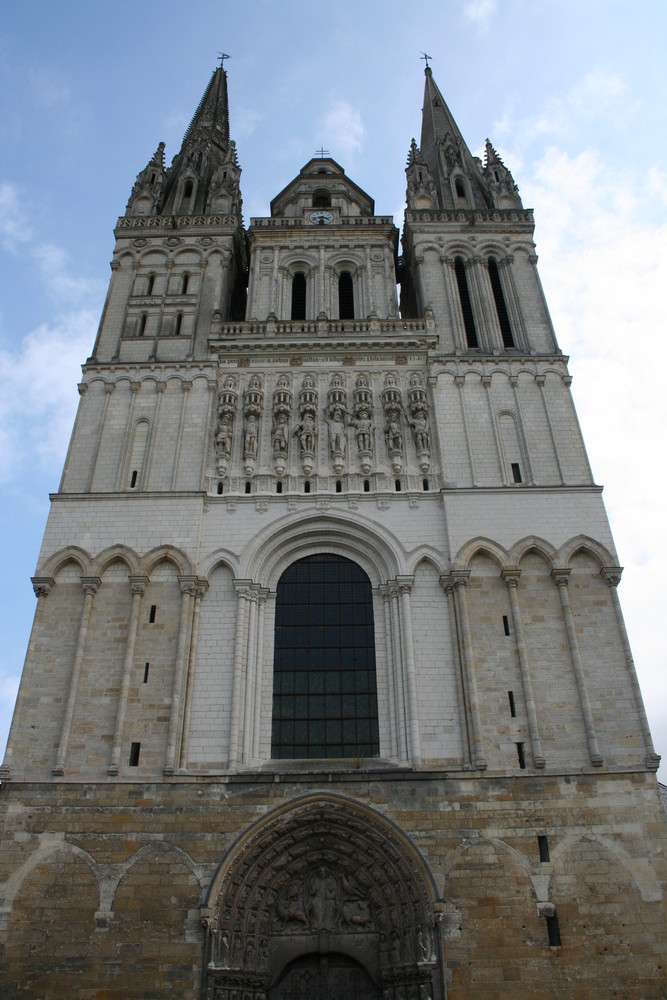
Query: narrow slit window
397,485
142,325
146,667
506,625
184,283
279,487
521,754
425,485
306,486
460,189
516,472
367,486
501,308
178,324
339,486
466,305
220,489
135,750
510,698
345,296
543,844
248,487
133,479
151,614
553,930
150,283
299,296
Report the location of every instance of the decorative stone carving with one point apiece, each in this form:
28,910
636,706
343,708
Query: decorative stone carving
282,408
418,409
224,431
253,404
392,404
363,423
306,430
335,420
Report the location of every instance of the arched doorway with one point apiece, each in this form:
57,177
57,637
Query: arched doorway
324,896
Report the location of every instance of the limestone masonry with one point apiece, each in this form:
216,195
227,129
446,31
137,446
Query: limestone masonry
328,692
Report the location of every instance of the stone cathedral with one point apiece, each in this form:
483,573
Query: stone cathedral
328,693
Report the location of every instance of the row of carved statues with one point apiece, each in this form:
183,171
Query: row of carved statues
339,418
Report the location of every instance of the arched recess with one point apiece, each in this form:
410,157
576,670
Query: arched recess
324,876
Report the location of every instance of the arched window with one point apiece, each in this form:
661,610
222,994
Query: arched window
324,689
345,296
299,296
501,308
321,198
460,189
466,305
138,455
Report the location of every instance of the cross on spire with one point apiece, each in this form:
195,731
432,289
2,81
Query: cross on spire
426,58
322,152
222,56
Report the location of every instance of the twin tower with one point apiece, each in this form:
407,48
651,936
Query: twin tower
328,691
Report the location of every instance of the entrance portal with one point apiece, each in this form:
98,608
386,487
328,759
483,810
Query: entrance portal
325,977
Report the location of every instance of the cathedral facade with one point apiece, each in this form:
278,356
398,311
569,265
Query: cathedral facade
328,692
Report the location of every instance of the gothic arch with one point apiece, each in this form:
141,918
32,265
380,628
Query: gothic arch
272,550
481,546
584,542
72,553
323,875
158,847
426,554
220,557
117,553
533,544
166,553
516,856
13,884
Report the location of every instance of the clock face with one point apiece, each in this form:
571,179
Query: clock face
317,217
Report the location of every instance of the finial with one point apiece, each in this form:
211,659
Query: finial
222,56
322,152
426,58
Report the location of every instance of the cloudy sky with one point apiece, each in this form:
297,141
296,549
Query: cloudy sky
572,93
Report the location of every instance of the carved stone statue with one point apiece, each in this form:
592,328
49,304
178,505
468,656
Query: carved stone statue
250,436
321,900
420,431
306,433
337,432
279,435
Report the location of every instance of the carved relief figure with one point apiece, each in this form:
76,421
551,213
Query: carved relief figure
306,433
322,903
289,905
337,433
420,431
250,436
279,435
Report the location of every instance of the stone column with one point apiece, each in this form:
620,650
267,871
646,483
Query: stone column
262,595
371,289
455,316
460,381
399,676
90,586
612,576
405,584
138,585
511,578
188,590
486,382
186,386
541,379
240,652
134,389
514,382
391,671
460,581
461,684
251,673
200,589
108,389
479,304
560,578
512,302
155,423
421,285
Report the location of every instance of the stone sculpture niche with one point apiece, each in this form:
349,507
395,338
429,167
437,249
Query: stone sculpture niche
335,419
306,430
418,420
282,408
253,404
392,404
224,431
363,423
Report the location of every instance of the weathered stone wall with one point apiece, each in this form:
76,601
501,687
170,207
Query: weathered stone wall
102,884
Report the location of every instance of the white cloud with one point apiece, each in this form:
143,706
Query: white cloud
344,130
480,12
14,225
60,277
37,395
599,95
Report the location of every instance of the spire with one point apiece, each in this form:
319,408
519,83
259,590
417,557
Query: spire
500,182
204,176
456,172
147,190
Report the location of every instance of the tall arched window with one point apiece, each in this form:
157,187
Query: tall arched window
324,690
299,296
466,305
501,308
345,296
